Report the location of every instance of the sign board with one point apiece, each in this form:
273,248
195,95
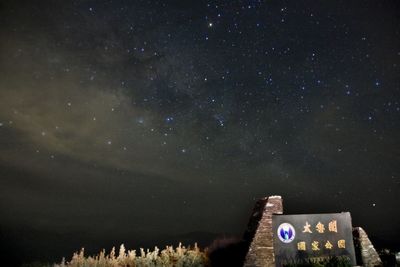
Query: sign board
312,237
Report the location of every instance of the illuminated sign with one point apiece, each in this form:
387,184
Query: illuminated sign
312,237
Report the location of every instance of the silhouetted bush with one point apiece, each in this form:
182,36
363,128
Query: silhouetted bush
229,252
330,262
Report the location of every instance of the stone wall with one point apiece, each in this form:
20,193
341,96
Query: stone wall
367,255
259,233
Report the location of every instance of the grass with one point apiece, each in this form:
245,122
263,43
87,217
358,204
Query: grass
168,257
329,262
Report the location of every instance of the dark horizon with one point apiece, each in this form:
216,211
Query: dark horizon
142,122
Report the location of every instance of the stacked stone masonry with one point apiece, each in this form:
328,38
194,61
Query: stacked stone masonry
367,252
261,250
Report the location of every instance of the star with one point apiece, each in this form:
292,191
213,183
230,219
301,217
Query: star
169,119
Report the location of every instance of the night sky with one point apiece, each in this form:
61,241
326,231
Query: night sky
146,122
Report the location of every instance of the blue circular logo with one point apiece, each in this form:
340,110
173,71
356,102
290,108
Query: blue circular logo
286,232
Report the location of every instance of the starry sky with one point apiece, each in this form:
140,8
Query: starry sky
145,122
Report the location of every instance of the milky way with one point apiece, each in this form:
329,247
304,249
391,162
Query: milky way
142,122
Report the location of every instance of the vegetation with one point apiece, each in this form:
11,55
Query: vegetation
168,257
329,262
222,252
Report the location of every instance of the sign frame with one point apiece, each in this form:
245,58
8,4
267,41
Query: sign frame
303,237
